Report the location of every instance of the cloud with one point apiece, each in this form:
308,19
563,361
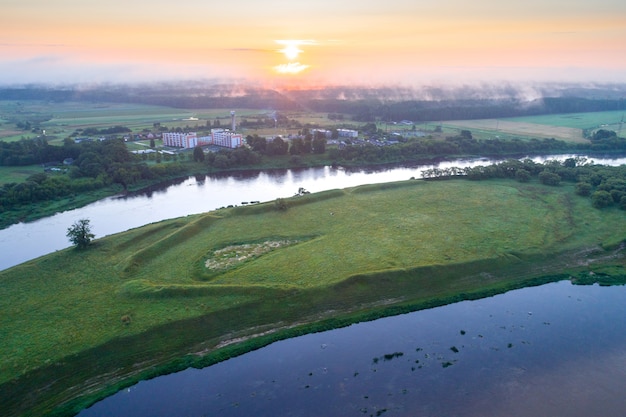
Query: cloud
291,68
61,69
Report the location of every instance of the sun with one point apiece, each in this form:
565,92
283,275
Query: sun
291,50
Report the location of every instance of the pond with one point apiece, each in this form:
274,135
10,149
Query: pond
553,350
192,195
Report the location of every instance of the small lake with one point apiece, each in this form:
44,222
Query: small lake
24,241
553,350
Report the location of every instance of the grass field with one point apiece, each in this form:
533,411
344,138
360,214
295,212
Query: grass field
69,116
499,128
145,297
17,174
593,120
567,127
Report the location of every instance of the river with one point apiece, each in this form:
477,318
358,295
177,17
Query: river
556,350
24,241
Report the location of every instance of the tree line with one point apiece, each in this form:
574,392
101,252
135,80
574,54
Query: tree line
96,165
464,144
605,186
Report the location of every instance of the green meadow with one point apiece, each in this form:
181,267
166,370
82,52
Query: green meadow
77,325
568,126
589,120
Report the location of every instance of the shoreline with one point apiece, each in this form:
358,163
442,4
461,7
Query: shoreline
34,212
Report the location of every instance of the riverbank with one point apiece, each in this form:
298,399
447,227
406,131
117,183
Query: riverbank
39,210
142,302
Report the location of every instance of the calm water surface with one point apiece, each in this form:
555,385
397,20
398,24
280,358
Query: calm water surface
25,241
554,350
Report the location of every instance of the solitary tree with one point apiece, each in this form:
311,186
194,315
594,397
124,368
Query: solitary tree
80,233
198,154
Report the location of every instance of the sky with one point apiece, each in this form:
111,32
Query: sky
295,43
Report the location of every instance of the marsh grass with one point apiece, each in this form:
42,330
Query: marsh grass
354,254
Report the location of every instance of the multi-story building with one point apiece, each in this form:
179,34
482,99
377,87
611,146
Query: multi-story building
226,138
180,140
218,137
327,133
347,133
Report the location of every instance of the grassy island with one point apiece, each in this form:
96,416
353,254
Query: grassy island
80,324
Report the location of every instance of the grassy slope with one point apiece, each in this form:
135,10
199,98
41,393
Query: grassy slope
407,242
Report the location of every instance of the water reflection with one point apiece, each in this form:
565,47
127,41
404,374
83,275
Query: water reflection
556,350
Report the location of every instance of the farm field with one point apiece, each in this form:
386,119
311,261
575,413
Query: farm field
591,120
567,127
234,273
62,119
497,128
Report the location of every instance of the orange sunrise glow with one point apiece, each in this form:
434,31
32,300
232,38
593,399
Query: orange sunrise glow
397,41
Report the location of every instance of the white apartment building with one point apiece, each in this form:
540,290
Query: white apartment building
180,140
226,138
327,133
219,137
347,133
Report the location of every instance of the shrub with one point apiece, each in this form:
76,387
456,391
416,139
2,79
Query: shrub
522,175
549,178
583,188
601,199
280,204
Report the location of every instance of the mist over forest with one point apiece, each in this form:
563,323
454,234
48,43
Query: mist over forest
364,103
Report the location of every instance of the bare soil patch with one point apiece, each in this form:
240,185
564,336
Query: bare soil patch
233,255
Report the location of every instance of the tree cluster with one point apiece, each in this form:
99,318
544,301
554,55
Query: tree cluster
96,165
94,131
604,185
32,151
465,144
227,158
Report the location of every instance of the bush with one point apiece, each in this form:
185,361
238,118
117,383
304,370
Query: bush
280,204
522,175
583,188
549,178
601,199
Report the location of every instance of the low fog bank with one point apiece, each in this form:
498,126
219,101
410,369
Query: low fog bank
419,103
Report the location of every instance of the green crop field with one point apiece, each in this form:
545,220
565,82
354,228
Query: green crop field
591,120
148,296
568,127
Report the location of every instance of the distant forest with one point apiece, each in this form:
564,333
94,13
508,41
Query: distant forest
363,105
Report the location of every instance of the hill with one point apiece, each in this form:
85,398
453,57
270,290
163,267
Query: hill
171,294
